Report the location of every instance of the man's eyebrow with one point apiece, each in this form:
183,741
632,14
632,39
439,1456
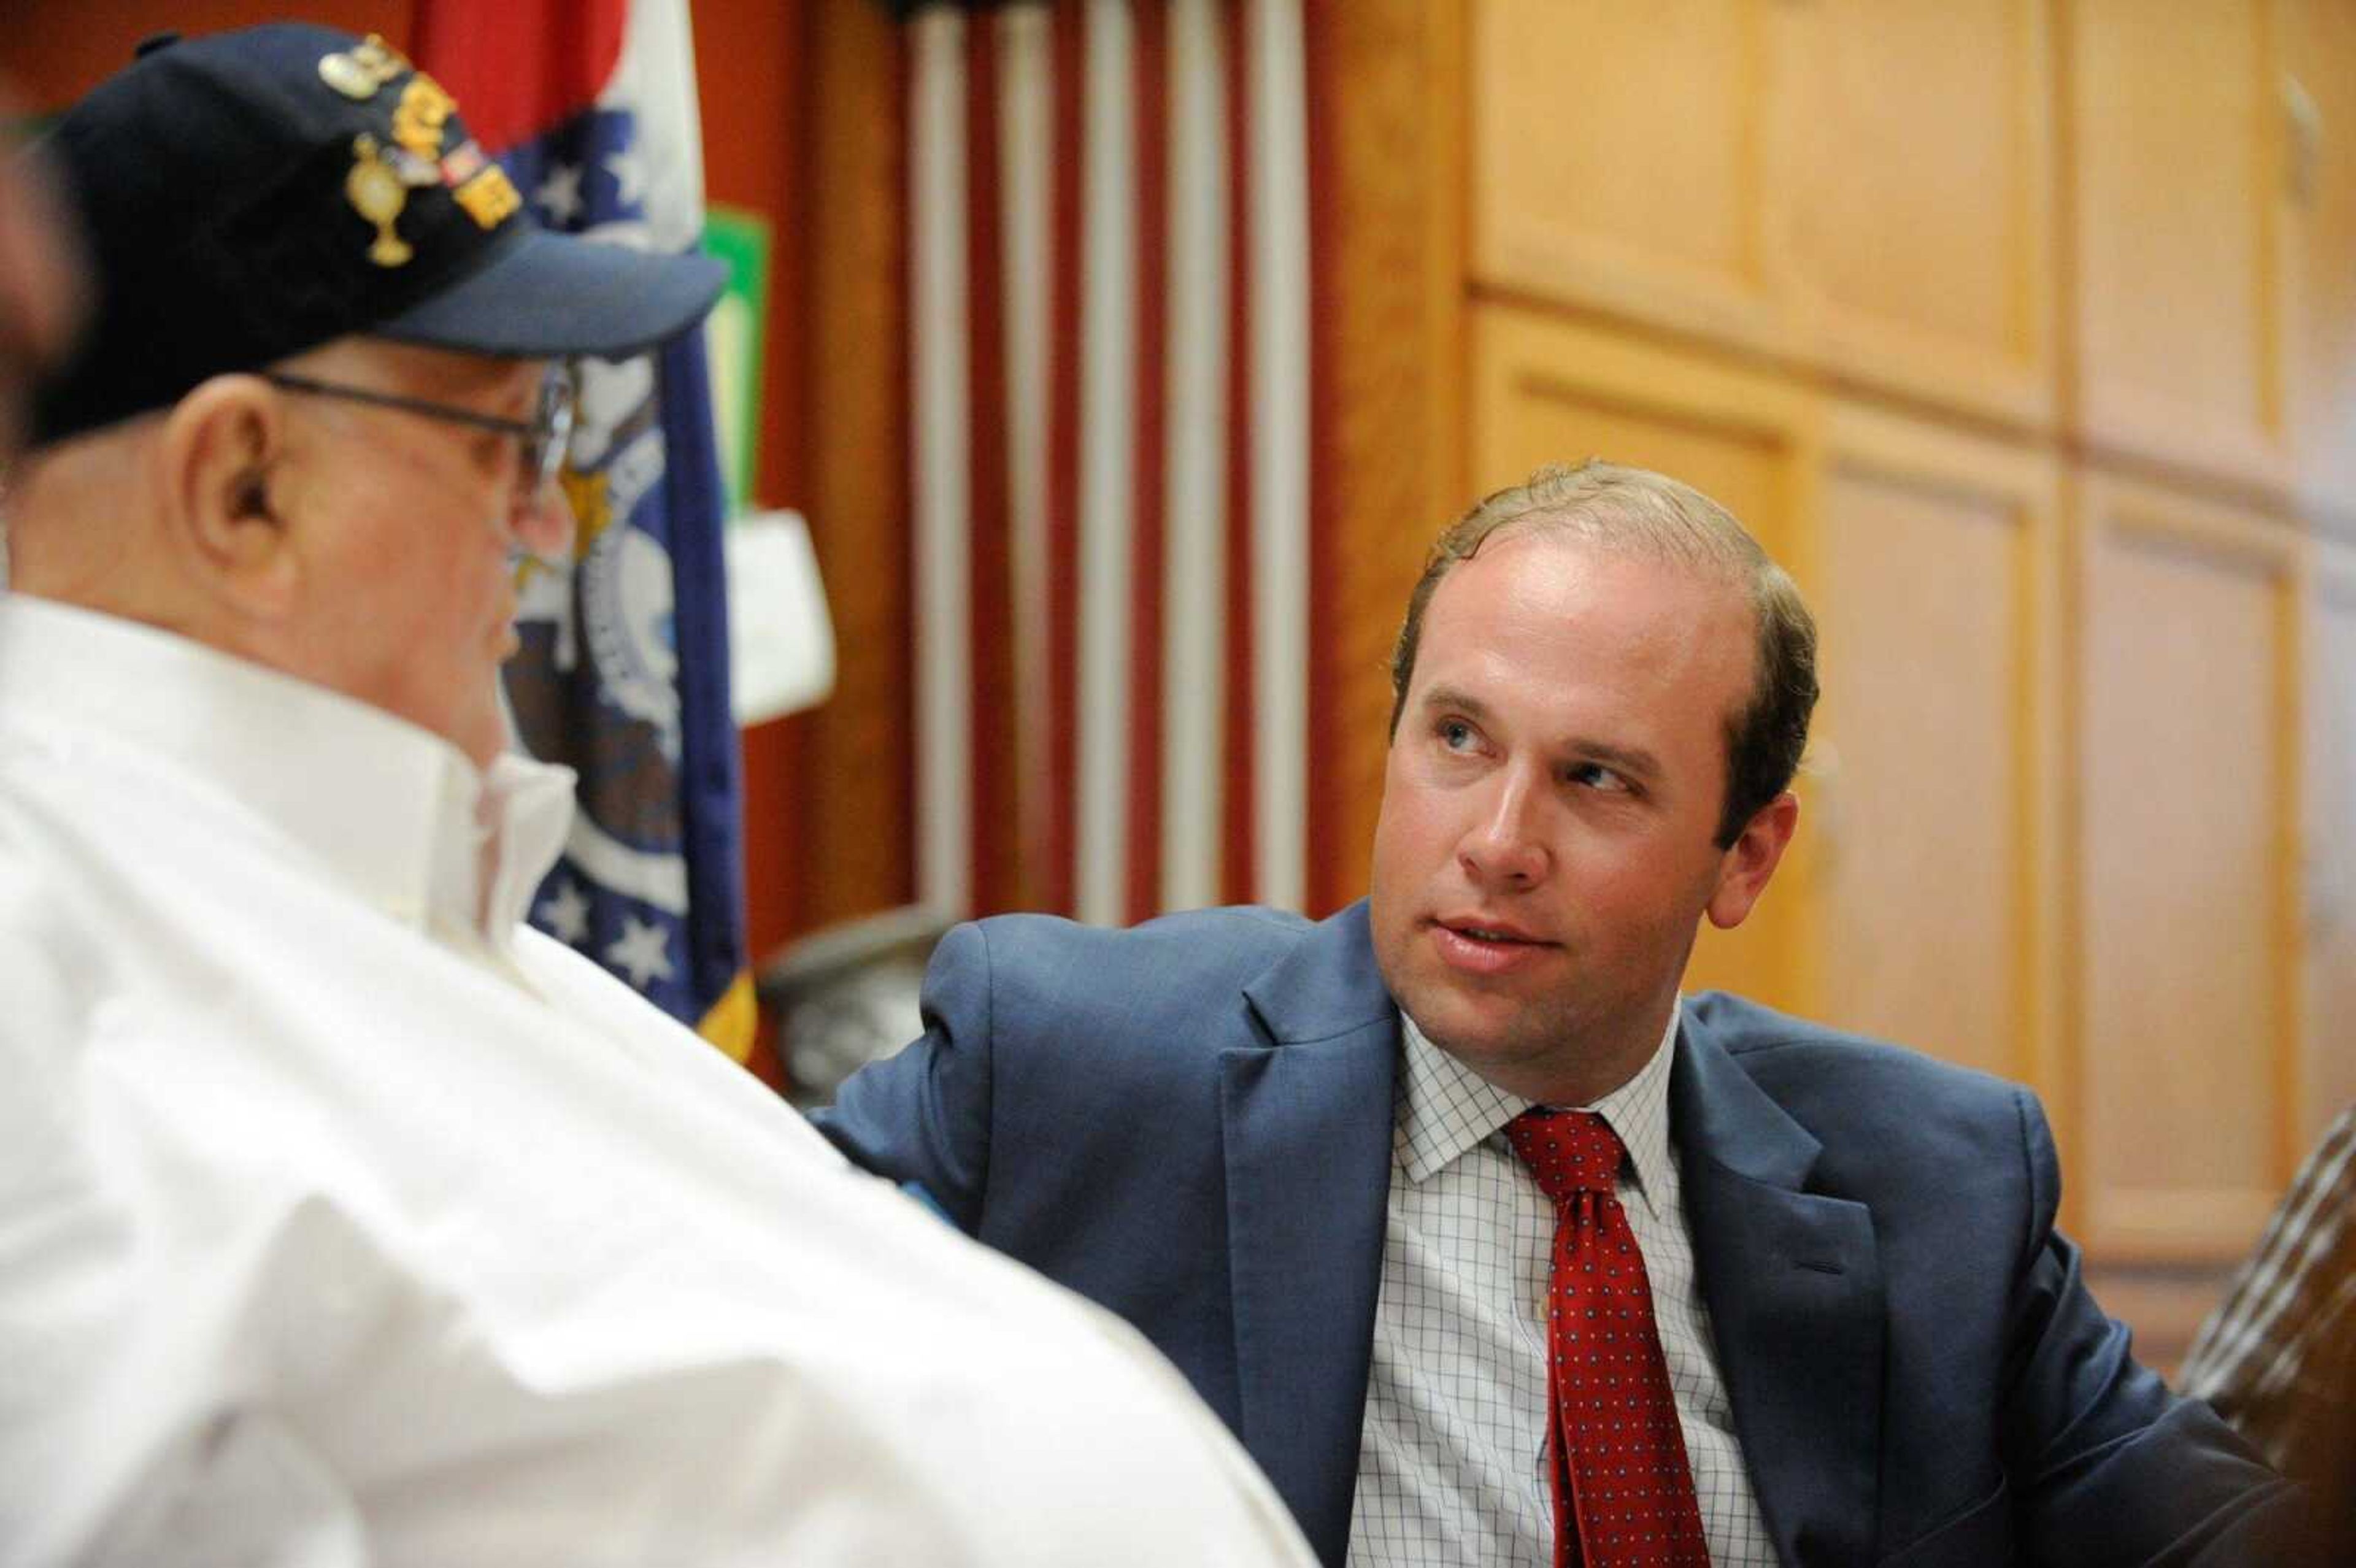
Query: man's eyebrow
1634,761
1454,699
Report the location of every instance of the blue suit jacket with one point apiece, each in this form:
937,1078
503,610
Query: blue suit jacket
1191,1124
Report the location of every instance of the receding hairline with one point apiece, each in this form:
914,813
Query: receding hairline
1742,573
1663,520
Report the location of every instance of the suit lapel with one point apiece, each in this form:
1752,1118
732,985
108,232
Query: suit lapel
1308,1128
1794,1284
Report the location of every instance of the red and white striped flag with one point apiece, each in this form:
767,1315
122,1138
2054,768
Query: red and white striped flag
1109,355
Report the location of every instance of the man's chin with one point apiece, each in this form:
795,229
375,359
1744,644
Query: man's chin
1473,1028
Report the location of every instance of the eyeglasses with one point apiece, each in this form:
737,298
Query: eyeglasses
543,438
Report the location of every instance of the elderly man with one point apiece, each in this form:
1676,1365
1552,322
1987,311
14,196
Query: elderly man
1492,1248
342,1218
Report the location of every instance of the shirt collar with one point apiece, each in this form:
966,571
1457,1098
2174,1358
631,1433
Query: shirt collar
391,810
1444,1108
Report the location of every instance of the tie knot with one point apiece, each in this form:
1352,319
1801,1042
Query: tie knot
1568,1151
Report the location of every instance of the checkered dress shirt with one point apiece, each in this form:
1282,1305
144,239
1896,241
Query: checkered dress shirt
2259,1356
1453,1468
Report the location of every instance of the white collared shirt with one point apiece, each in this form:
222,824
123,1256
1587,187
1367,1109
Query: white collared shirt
343,1221
1452,1466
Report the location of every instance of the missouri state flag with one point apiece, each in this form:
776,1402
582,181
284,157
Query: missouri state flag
623,673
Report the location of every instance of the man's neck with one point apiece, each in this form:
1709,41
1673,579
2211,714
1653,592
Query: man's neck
1586,1076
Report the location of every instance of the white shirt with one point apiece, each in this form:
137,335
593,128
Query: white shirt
1452,1466
344,1221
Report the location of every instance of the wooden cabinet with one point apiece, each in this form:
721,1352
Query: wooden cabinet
1860,188
1617,159
1913,196
2188,887
1543,390
2174,162
1938,744
1866,192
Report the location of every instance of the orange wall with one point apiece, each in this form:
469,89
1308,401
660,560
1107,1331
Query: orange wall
53,51
751,66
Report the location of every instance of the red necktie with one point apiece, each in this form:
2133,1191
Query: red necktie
1620,1466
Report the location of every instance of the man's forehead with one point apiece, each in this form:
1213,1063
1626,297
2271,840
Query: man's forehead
1547,565
1576,612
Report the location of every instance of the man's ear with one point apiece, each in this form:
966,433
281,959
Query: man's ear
220,446
1743,871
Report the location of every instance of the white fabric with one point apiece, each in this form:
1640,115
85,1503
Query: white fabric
342,1221
1452,1466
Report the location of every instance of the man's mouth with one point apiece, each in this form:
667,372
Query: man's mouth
1492,931
1484,946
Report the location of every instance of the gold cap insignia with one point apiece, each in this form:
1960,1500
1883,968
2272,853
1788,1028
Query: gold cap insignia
361,72
378,194
489,196
424,110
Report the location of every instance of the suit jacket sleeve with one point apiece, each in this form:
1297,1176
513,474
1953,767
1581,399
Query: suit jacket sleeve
924,1115
2102,1453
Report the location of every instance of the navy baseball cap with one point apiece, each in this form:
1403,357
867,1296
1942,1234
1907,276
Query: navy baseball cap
249,194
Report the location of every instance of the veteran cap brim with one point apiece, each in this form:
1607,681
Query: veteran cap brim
541,295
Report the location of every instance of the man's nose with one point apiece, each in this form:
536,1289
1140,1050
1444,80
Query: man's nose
543,521
1505,845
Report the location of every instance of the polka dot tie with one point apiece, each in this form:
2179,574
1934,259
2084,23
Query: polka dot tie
1620,1466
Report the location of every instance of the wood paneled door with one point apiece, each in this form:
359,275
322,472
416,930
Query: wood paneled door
2185,1129
1940,743
1911,214
2173,152
1851,186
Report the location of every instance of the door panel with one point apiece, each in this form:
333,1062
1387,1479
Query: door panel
1936,742
2188,1033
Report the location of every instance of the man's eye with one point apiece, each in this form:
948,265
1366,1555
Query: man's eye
1595,775
1456,734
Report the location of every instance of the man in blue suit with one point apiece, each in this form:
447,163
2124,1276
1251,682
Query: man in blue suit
1298,1155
